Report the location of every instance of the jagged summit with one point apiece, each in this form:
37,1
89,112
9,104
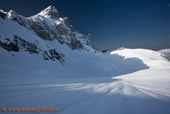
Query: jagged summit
51,12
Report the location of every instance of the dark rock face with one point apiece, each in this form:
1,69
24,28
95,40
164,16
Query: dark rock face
66,21
9,47
20,44
53,55
75,44
47,33
40,31
2,15
29,47
105,50
62,30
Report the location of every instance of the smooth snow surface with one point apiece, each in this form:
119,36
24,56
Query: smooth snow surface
145,90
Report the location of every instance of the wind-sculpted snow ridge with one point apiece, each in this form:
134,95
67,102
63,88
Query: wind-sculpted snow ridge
151,58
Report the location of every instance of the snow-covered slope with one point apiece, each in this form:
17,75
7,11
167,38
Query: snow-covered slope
46,63
142,92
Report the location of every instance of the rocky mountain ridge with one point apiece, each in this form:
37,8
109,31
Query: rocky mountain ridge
49,27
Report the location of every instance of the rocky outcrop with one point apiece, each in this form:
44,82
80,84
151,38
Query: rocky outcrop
75,44
3,15
105,50
66,21
50,12
62,30
53,55
9,47
18,44
18,18
40,30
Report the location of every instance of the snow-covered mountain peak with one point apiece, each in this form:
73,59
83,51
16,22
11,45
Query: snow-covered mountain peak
44,34
51,12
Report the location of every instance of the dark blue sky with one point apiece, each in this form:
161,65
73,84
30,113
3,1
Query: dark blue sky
112,23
